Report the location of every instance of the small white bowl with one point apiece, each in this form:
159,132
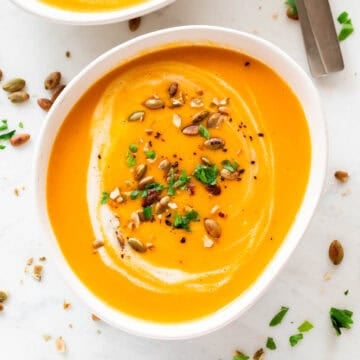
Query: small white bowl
90,18
247,44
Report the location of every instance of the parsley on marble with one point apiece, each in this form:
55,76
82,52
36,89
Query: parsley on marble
270,343
305,326
278,318
341,319
294,339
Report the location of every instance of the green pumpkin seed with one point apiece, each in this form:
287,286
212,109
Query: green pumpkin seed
214,143
18,96
200,116
136,245
154,103
13,85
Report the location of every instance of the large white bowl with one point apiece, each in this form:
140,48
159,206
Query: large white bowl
90,18
245,43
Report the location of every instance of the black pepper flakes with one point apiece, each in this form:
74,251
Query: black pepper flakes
183,240
260,134
252,162
247,63
157,135
168,222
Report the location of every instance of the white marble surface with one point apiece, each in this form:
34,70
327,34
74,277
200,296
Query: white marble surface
31,48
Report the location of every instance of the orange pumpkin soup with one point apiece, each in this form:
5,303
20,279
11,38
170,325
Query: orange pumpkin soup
175,178
91,5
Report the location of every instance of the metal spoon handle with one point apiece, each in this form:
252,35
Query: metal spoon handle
320,38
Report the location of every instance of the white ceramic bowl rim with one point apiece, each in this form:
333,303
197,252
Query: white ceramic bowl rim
255,47
90,18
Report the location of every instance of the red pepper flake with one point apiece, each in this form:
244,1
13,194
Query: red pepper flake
99,156
247,63
260,134
221,214
251,138
183,240
252,162
157,135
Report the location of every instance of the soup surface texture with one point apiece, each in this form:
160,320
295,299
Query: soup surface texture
175,178
92,5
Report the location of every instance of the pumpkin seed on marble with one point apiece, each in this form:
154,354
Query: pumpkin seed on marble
13,85
336,252
3,296
18,97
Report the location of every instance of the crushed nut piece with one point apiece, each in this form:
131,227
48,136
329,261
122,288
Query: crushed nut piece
60,345
66,305
95,318
208,243
29,261
47,337
327,276
37,272
42,258
341,176
97,244
16,191
1,307
3,296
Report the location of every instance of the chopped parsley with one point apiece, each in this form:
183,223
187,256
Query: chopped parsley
294,339
130,159
270,343
147,212
240,356
346,26
182,180
135,194
150,154
4,125
204,132
305,326
228,165
341,319
105,198
2,147
206,174
292,5
155,186
21,125
133,148
277,319
346,293
8,135
183,222
171,181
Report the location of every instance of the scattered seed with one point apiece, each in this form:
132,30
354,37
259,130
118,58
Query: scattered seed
29,261
115,194
140,172
341,176
228,175
95,318
173,88
206,161
162,205
57,92
191,130
177,101
291,13
1,75
336,252
1,307
18,97
215,120
44,103
137,116
52,80
13,85
66,305
259,355
214,209
224,101
134,24
47,338
224,110
200,116
19,139
212,227
97,244
136,245
214,143
154,103
3,296
60,345
145,181
196,103
215,101
37,272
176,120
68,54
165,165
151,198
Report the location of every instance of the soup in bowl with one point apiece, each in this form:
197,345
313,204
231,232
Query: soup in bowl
176,176
89,12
